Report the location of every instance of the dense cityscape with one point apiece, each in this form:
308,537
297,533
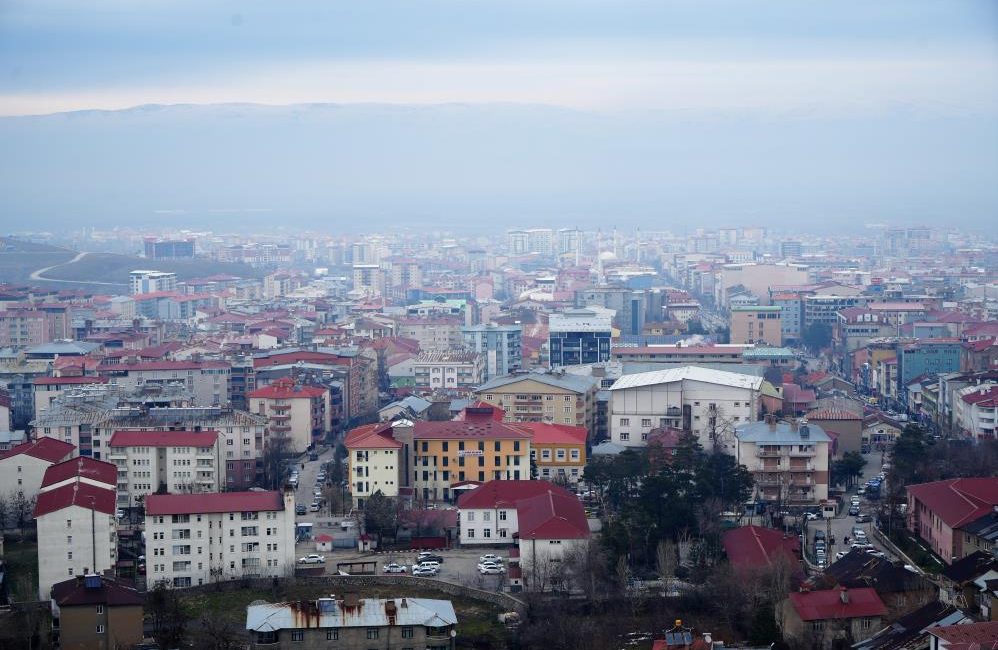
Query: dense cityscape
543,437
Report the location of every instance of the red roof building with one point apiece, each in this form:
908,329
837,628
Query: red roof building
937,510
468,430
825,615
45,448
220,502
372,436
77,493
88,470
543,511
179,438
968,636
754,547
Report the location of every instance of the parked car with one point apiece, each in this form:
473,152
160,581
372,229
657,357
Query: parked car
490,557
853,511
314,507
811,516
426,564
300,509
312,558
862,518
490,569
819,534
841,554
425,572
393,567
426,556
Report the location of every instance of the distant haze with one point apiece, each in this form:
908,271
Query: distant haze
487,166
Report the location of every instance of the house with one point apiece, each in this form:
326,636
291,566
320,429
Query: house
93,611
194,539
937,510
880,430
822,618
753,548
797,400
298,413
23,467
970,636
789,461
958,579
559,450
710,403
981,535
388,623
912,630
901,590
544,521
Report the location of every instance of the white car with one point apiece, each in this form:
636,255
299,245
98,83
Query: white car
392,567
811,516
429,564
490,569
490,557
312,558
428,572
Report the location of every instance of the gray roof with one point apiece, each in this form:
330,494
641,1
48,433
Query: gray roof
780,434
607,448
368,612
412,402
574,383
65,347
692,373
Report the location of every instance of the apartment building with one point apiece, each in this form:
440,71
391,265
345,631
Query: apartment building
719,353
171,461
386,624
458,372
445,453
48,389
500,345
433,334
558,450
23,467
757,324
375,462
207,381
142,281
788,460
194,539
299,413
938,512
27,327
76,528
976,411
709,403
553,397
578,336
96,612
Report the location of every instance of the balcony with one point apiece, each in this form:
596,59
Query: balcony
796,453
763,452
280,417
802,481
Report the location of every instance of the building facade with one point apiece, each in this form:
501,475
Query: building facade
789,461
757,324
579,336
500,345
299,413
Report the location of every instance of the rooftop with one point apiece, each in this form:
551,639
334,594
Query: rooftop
837,604
177,438
958,501
215,502
78,493
45,448
362,612
691,373
82,467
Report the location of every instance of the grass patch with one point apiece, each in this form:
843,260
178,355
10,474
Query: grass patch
22,562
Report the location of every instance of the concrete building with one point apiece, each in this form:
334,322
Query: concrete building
374,462
171,461
299,413
458,372
682,354
579,336
788,460
938,510
353,623
92,611
709,403
48,389
829,618
558,450
23,467
845,427
76,531
368,280
207,381
976,411
194,539
757,324
756,278
433,334
791,314
500,346
152,282
543,397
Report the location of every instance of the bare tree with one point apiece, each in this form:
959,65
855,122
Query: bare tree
4,510
666,560
21,508
216,632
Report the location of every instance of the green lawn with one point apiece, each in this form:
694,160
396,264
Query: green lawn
22,563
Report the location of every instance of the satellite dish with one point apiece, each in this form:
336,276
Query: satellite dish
453,633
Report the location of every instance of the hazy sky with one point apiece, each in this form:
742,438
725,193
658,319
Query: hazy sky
733,55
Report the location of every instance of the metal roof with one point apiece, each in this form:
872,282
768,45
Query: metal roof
779,434
366,612
692,373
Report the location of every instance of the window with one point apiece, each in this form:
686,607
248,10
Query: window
372,633
333,635
471,516
646,422
470,534
487,533
502,515
625,422
100,629
297,635
100,609
407,632
624,435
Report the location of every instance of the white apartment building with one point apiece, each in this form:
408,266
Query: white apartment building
789,461
23,467
76,532
374,462
142,281
208,381
975,411
174,461
456,371
194,539
710,403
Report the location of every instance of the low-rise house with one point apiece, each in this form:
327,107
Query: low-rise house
194,539
900,589
938,510
351,622
912,630
958,579
823,618
969,636
92,611
754,548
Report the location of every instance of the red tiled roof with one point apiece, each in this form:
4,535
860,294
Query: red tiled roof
985,396
753,547
285,388
828,604
794,394
151,366
475,429
180,504
79,494
112,592
84,467
549,434
833,414
131,438
498,493
481,410
958,501
59,381
45,448
554,514
372,436
969,636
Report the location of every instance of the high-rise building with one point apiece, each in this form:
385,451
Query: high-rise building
142,281
168,249
500,345
578,336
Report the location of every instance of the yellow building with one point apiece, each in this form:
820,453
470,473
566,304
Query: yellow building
478,448
757,324
559,451
554,398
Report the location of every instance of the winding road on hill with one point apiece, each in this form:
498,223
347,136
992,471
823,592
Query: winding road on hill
39,277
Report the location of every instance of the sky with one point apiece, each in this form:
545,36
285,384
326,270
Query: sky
776,56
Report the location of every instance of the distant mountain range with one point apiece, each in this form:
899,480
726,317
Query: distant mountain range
486,167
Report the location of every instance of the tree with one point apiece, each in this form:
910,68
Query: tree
21,508
167,615
380,516
666,560
216,632
817,336
763,629
4,510
276,450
